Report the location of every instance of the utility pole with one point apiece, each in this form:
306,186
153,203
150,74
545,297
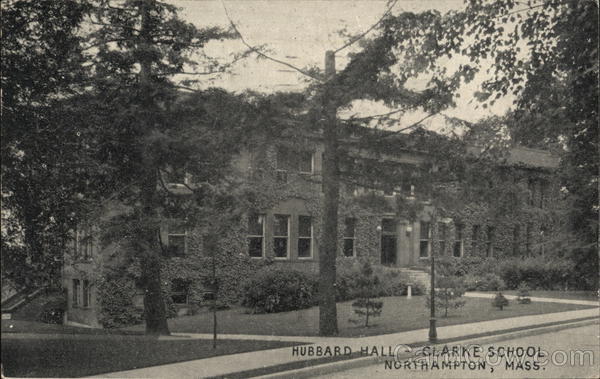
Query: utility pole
331,186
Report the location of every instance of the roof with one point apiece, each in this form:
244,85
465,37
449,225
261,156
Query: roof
534,158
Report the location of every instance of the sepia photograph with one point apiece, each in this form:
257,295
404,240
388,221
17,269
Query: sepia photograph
300,189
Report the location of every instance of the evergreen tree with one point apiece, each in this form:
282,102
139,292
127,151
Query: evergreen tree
365,306
500,301
448,294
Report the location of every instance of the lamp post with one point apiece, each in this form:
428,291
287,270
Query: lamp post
432,320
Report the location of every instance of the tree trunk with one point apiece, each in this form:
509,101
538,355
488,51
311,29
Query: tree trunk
329,237
154,306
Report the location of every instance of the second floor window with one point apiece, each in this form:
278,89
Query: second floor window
83,244
177,240
293,160
475,239
256,233
349,230
281,230
305,231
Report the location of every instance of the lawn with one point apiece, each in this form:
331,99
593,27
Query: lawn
70,355
399,314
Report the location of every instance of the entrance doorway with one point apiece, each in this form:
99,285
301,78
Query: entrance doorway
389,241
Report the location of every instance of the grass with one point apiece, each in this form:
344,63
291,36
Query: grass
399,314
70,355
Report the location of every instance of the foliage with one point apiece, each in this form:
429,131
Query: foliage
537,273
523,294
448,294
500,301
273,289
116,292
41,69
365,306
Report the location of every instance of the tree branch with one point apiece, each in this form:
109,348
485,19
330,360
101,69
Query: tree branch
360,36
260,53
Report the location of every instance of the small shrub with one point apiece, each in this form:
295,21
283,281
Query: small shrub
448,294
275,289
53,309
523,294
369,286
500,301
490,282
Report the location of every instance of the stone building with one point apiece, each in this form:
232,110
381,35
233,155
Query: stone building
283,228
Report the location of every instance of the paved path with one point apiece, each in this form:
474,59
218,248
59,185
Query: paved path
533,299
223,365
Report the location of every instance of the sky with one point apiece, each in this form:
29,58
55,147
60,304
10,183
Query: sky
300,32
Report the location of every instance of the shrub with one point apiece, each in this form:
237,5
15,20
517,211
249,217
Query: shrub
116,295
500,301
274,289
523,294
490,282
391,283
53,308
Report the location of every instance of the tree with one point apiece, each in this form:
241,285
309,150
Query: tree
141,123
364,306
448,294
500,301
42,68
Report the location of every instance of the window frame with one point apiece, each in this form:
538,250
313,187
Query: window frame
459,238
442,235
262,237
75,301
310,238
185,241
348,238
489,241
287,237
428,239
86,292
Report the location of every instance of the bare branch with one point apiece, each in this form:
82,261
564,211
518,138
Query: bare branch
260,53
360,36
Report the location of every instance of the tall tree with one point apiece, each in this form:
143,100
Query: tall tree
42,67
138,46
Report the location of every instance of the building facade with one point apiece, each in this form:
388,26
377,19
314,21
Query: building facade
392,226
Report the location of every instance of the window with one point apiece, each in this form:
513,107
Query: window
304,237
475,239
457,247
408,189
87,294
177,240
76,289
179,291
543,190
281,227
349,230
489,248
291,160
516,240
441,237
256,233
531,191
175,176
83,244
425,236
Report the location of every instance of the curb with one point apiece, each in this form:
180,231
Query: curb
329,368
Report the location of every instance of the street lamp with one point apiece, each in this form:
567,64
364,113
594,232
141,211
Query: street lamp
432,320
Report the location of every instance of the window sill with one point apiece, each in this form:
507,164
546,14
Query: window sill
281,258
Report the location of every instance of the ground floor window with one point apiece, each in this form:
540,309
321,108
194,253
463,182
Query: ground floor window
179,291
442,237
457,247
281,235
76,290
424,240
87,294
256,233
388,241
489,248
305,231
177,240
349,230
